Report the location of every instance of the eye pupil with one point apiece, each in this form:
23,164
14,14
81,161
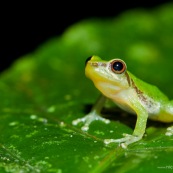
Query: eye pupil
118,66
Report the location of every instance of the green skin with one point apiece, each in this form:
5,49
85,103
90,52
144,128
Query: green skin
129,93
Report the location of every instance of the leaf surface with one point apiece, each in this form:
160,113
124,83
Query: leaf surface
44,91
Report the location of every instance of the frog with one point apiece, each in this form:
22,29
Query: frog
130,94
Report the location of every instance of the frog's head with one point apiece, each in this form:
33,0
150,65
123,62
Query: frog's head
109,77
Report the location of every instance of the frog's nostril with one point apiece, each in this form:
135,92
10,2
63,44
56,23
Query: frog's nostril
89,58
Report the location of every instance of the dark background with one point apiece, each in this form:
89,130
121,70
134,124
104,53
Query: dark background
25,26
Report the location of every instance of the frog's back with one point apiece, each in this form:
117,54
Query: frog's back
155,102
145,89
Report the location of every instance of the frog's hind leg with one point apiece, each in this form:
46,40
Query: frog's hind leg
169,111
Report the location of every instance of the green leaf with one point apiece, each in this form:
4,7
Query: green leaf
44,91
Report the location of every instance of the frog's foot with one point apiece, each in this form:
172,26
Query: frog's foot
88,119
169,131
124,142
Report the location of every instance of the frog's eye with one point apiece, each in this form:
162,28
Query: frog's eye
118,66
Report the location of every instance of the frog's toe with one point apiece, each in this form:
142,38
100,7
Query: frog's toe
169,131
124,142
77,121
85,127
84,120
88,119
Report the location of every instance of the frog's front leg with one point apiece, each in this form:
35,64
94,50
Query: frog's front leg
139,130
93,115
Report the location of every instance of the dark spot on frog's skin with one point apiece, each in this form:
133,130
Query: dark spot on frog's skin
89,58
